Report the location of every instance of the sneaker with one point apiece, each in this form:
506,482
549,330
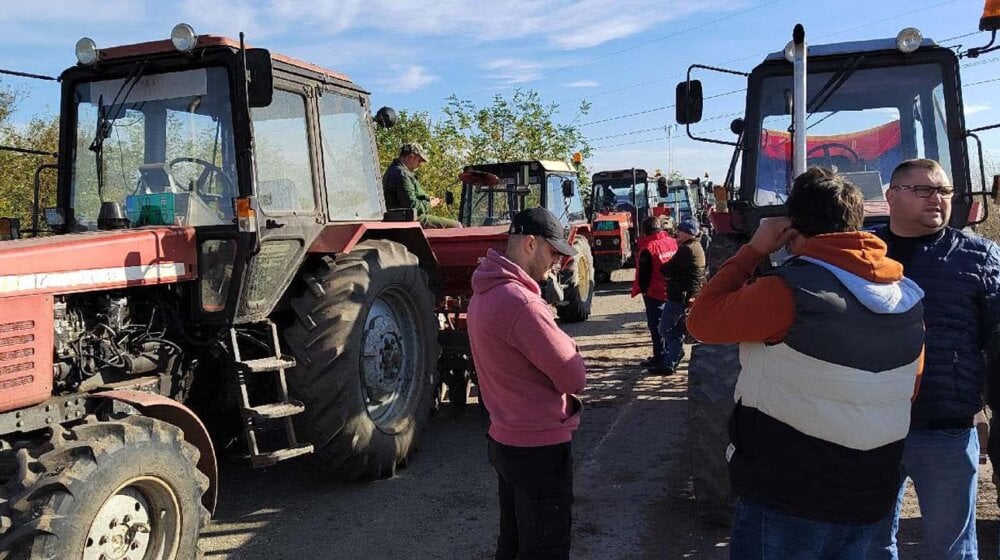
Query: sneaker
651,361
660,370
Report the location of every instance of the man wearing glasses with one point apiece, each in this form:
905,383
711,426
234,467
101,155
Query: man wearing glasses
960,274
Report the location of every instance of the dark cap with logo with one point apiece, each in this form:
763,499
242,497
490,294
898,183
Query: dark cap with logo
544,224
413,148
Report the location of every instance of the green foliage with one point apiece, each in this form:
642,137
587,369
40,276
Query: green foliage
521,127
17,170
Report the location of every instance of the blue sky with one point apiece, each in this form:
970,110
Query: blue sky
623,56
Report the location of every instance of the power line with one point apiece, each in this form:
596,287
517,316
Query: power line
983,82
656,109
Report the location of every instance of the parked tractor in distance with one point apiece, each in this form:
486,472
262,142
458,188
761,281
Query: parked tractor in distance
491,195
219,273
620,200
863,108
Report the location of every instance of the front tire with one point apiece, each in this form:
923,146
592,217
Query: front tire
106,489
578,296
365,339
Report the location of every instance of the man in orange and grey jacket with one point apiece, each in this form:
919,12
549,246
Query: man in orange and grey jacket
831,350
655,248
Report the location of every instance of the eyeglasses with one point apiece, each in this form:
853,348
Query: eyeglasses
927,191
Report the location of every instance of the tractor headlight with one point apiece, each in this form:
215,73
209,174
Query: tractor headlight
616,242
86,51
598,242
909,40
183,37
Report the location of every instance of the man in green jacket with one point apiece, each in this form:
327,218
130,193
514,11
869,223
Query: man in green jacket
403,190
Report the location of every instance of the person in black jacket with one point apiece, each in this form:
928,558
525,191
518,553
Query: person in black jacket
960,274
684,273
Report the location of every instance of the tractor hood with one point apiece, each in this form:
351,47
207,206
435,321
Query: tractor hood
84,262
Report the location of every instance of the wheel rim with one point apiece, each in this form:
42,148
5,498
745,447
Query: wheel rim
139,521
583,277
391,356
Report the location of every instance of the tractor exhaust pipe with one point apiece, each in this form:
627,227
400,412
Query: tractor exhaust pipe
799,78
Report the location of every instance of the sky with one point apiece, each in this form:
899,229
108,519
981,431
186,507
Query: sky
624,57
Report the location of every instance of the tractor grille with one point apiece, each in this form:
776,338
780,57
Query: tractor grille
26,338
16,364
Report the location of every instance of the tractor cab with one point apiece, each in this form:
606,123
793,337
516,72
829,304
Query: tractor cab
492,193
868,106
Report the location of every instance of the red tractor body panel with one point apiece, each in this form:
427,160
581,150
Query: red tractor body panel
104,260
460,250
26,339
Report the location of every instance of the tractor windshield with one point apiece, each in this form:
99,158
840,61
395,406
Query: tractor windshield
611,195
678,200
874,120
160,146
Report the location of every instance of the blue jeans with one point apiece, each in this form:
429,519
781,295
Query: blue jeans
673,329
654,309
944,466
762,533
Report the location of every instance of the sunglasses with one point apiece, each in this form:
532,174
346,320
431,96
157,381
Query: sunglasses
927,191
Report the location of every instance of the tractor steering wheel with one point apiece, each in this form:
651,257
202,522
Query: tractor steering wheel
825,148
208,171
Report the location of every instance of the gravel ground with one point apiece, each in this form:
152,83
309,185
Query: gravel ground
632,478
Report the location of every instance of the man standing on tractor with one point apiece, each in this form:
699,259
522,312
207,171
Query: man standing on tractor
831,346
960,273
655,248
684,275
529,371
403,190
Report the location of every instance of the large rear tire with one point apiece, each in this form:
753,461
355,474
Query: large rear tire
712,374
365,339
106,489
578,295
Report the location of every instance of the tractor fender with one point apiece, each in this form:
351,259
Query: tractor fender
342,238
173,412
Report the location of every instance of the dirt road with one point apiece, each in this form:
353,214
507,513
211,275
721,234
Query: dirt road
632,478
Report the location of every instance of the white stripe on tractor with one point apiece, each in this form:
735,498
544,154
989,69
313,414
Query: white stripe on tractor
96,276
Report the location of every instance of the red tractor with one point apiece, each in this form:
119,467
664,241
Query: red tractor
491,195
219,274
619,201
861,107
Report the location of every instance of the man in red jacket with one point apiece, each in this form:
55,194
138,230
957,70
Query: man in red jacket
655,248
528,371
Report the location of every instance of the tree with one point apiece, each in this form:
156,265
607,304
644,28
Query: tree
17,170
519,128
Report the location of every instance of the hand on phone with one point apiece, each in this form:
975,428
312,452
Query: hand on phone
772,234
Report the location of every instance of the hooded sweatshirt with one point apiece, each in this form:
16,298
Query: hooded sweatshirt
831,349
527,368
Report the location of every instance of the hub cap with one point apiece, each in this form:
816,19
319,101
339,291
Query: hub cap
140,521
390,358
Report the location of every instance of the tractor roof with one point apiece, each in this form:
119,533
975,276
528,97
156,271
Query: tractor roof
547,165
165,46
850,47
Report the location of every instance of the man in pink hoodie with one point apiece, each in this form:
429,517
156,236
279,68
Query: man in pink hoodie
528,371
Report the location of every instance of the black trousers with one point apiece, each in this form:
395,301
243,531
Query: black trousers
535,487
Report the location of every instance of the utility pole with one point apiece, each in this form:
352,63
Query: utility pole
670,128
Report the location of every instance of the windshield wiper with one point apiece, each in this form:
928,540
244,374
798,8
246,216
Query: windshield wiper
833,84
104,125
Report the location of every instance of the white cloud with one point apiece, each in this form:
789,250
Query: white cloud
513,71
976,108
582,84
408,79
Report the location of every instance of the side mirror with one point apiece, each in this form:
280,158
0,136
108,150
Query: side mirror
690,102
260,78
567,188
661,187
449,198
10,229
386,117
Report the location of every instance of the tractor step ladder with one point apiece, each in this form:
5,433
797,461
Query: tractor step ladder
284,409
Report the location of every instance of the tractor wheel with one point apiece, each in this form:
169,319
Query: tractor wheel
712,374
723,246
365,339
579,294
124,488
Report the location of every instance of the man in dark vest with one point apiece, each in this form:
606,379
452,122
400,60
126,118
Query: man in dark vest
402,189
684,274
960,272
655,248
831,348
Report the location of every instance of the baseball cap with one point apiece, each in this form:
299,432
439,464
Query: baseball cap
688,226
413,148
541,222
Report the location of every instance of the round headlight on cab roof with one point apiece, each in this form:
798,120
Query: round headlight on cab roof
909,40
86,51
183,37
790,51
